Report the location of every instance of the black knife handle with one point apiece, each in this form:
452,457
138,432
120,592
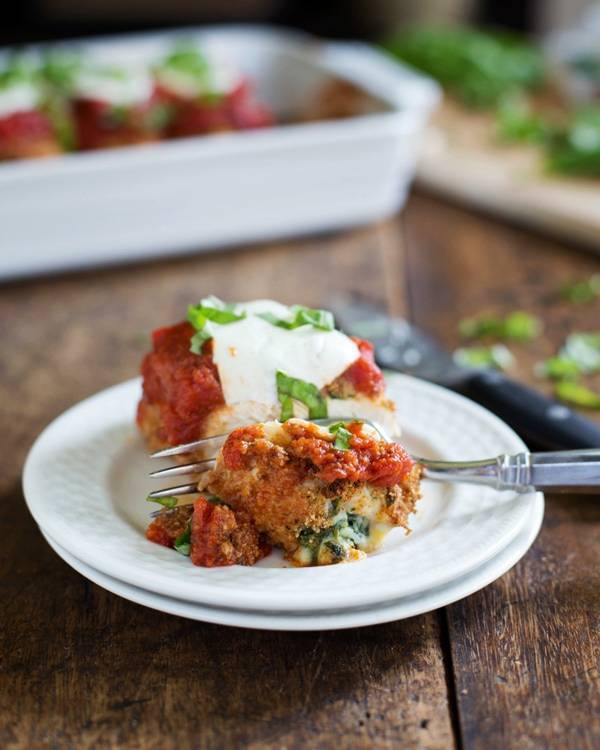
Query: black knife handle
534,416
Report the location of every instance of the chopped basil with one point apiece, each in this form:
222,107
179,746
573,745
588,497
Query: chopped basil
183,542
59,69
197,341
497,356
342,436
187,58
168,502
516,121
289,388
558,368
577,394
518,326
303,316
213,309
347,531
583,291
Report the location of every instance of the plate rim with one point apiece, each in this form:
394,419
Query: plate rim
211,594
385,612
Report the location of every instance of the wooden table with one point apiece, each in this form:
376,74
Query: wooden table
512,666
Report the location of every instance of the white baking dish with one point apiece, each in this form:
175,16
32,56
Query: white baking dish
219,190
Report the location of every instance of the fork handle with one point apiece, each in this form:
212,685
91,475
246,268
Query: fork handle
561,471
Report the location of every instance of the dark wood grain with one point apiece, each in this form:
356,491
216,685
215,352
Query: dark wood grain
525,650
512,666
81,668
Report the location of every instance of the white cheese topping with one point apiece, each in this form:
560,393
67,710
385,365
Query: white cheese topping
21,97
119,88
249,352
222,78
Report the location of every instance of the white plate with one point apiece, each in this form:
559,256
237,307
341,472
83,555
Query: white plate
373,615
85,481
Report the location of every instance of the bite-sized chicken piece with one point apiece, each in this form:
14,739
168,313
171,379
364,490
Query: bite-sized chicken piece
207,96
322,494
210,533
115,107
25,129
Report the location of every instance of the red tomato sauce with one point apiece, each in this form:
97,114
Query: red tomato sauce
25,125
367,460
185,386
236,110
364,375
99,124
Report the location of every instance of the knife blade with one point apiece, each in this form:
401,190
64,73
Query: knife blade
402,346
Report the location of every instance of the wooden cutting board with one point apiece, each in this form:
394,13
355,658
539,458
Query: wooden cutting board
463,158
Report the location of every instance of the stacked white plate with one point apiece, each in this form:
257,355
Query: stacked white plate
86,480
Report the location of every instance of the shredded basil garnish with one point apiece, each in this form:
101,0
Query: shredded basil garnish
577,394
496,356
167,502
289,388
303,316
582,291
342,436
518,326
183,542
187,58
213,309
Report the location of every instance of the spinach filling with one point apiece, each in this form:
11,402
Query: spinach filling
331,544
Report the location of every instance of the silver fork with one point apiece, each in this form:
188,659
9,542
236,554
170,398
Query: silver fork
560,471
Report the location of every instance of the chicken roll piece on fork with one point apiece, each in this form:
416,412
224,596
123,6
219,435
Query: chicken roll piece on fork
323,494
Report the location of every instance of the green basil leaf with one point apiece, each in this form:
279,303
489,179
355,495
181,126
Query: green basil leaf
303,316
287,407
273,319
197,341
577,394
497,356
518,326
168,502
299,390
183,542
558,368
521,326
582,291
187,58
342,436
321,319
213,309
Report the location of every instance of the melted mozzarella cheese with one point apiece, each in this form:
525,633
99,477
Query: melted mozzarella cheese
249,352
222,79
21,97
130,87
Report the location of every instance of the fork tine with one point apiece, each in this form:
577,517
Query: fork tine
182,489
187,447
172,471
